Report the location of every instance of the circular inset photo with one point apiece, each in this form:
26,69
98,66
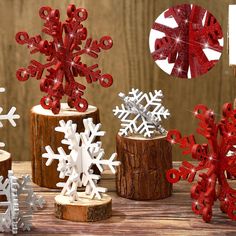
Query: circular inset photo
186,41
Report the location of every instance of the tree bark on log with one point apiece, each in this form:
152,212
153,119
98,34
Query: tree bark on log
5,165
84,210
43,123
144,162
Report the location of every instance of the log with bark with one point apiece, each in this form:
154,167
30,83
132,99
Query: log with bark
83,210
5,165
144,162
43,123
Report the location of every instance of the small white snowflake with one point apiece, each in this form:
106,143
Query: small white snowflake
141,113
21,202
84,153
11,116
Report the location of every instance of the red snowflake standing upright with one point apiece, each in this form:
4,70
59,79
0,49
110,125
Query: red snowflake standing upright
63,55
214,161
184,44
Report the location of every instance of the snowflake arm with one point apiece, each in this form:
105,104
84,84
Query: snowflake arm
29,202
65,161
91,185
91,132
10,116
100,162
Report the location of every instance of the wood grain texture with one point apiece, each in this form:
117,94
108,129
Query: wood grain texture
5,163
129,61
172,216
84,210
43,133
144,162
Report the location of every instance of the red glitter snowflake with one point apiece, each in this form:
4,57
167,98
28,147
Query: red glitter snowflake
215,159
184,45
63,54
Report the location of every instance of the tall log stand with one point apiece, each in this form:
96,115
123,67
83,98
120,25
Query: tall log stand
144,162
43,123
5,165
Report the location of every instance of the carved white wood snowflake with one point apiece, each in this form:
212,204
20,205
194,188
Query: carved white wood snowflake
141,113
21,202
10,116
84,153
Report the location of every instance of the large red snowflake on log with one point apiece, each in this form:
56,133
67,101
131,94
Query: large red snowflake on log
63,55
214,161
184,45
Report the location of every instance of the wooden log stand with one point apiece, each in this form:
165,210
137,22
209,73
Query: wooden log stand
43,123
5,165
144,162
84,210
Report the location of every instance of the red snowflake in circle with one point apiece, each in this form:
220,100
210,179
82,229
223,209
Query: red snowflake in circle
63,54
215,159
184,45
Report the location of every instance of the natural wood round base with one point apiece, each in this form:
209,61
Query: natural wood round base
43,123
84,210
144,162
5,165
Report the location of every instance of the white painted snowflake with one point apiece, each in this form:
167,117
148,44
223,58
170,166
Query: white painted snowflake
77,165
21,202
141,113
11,116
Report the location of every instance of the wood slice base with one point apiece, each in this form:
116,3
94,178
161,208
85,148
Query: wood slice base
5,165
43,123
144,162
84,210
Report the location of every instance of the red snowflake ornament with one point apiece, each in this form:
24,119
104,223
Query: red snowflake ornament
213,161
63,54
184,45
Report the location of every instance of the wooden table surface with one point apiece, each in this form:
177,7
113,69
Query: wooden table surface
171,216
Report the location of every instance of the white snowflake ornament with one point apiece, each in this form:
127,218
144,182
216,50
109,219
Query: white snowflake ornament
21,202
10,116
141,113
77,165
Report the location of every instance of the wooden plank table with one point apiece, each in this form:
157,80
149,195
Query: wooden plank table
171,216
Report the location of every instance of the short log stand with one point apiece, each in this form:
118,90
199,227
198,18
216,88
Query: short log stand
83,210
144,162
43,123
5,165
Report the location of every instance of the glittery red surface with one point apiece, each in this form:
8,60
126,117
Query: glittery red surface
63,54
216,159
184,44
